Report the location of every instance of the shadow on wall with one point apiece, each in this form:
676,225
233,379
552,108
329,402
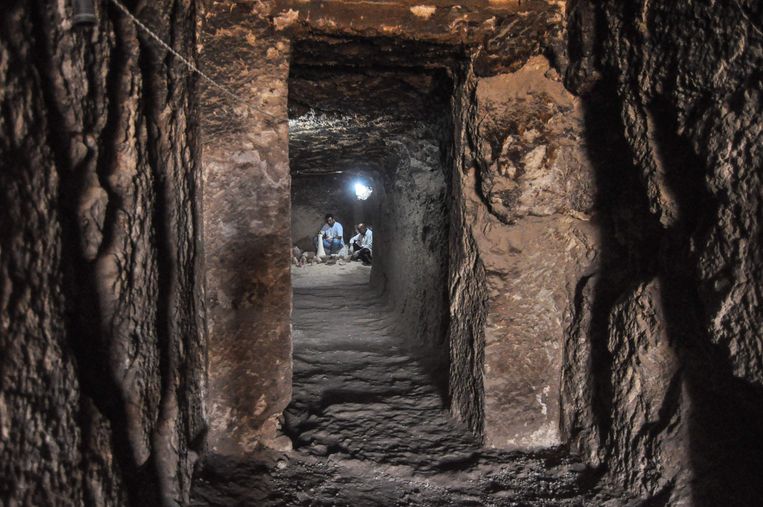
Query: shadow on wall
411,248
725,424
698,430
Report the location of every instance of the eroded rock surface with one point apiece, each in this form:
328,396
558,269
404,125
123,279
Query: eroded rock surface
525,200
101,307
675,297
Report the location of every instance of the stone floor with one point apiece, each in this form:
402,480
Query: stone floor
369,429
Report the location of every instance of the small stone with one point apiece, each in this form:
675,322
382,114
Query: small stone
319,449
280,443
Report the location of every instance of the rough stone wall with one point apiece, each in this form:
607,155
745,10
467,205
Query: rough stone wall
103,351
525,200
467,295
672,315
411,242
503,33
246,226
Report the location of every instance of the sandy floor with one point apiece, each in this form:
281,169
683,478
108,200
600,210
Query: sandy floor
327,276
369,429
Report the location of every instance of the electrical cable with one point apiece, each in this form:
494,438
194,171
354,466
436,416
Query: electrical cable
185,61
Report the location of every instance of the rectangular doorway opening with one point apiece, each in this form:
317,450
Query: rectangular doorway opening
369,132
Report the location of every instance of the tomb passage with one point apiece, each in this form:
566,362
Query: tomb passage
562,305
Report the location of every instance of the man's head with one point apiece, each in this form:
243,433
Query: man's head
362,229
330,219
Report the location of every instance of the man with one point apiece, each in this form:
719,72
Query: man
332,235
362,244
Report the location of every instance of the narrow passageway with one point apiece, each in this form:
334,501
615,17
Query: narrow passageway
370,429
357,393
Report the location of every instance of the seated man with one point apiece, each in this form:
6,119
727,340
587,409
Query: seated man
361,244
332,235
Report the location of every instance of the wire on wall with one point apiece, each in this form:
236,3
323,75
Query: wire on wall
226,91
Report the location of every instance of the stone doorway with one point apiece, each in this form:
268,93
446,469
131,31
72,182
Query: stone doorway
364,118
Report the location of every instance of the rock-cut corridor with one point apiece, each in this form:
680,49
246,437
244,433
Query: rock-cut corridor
564,307
370,429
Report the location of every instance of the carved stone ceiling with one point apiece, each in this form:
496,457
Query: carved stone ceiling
343,117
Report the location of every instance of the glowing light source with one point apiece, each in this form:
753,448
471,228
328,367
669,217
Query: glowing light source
362,191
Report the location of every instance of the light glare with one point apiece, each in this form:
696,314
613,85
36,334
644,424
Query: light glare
362,191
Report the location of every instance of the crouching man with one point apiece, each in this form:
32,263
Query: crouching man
362,244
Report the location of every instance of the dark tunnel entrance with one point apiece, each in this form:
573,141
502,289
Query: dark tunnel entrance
357,116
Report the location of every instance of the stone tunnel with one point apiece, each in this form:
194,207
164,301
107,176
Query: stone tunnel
564,301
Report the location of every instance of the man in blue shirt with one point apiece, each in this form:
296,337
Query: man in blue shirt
332,235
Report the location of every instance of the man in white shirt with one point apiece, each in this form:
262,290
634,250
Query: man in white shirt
362,244
332,235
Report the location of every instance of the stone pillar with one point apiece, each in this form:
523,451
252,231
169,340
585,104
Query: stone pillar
246,228
525,208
